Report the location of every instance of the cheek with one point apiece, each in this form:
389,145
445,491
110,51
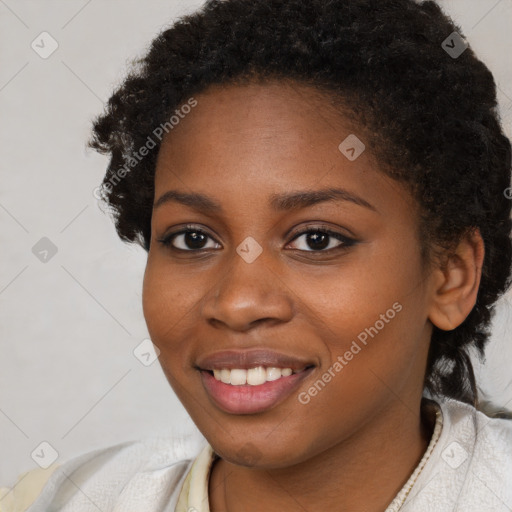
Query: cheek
166,301
167,306
373,314
352,296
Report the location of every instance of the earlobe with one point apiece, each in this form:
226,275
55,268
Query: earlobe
456,283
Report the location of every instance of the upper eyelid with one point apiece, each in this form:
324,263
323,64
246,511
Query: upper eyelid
303,229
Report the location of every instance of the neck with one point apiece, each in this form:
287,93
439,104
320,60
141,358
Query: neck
368,468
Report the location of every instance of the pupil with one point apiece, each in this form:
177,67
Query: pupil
316,237
194,240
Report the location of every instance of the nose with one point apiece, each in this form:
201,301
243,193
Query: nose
246,295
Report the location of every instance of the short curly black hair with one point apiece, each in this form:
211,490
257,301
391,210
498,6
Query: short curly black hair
429,117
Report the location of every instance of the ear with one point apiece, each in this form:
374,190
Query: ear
456,283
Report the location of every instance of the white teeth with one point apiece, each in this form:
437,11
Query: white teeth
256,376
273,373
253,376
238,377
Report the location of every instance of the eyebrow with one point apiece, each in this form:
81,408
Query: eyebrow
279,202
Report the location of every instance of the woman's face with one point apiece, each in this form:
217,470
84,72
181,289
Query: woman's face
257,276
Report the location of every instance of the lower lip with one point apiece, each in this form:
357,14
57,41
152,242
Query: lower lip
249,399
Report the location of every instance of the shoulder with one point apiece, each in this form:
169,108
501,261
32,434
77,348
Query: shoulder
135,473
480,447
25,490
491,436
470,464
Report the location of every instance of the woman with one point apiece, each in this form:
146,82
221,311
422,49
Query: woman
321,190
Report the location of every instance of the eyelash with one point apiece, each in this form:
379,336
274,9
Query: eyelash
347,242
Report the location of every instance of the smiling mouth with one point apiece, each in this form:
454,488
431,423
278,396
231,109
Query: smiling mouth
256,394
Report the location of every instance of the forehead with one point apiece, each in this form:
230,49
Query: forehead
265,138
270,106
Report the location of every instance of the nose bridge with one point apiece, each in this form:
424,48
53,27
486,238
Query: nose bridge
247,290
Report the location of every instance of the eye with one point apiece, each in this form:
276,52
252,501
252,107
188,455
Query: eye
190,239
322,239
318,239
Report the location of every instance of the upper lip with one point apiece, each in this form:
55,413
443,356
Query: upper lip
230,359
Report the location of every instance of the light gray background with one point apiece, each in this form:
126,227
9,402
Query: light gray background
69,326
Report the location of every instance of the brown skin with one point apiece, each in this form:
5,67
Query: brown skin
354,445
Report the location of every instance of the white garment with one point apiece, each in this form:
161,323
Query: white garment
469,470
